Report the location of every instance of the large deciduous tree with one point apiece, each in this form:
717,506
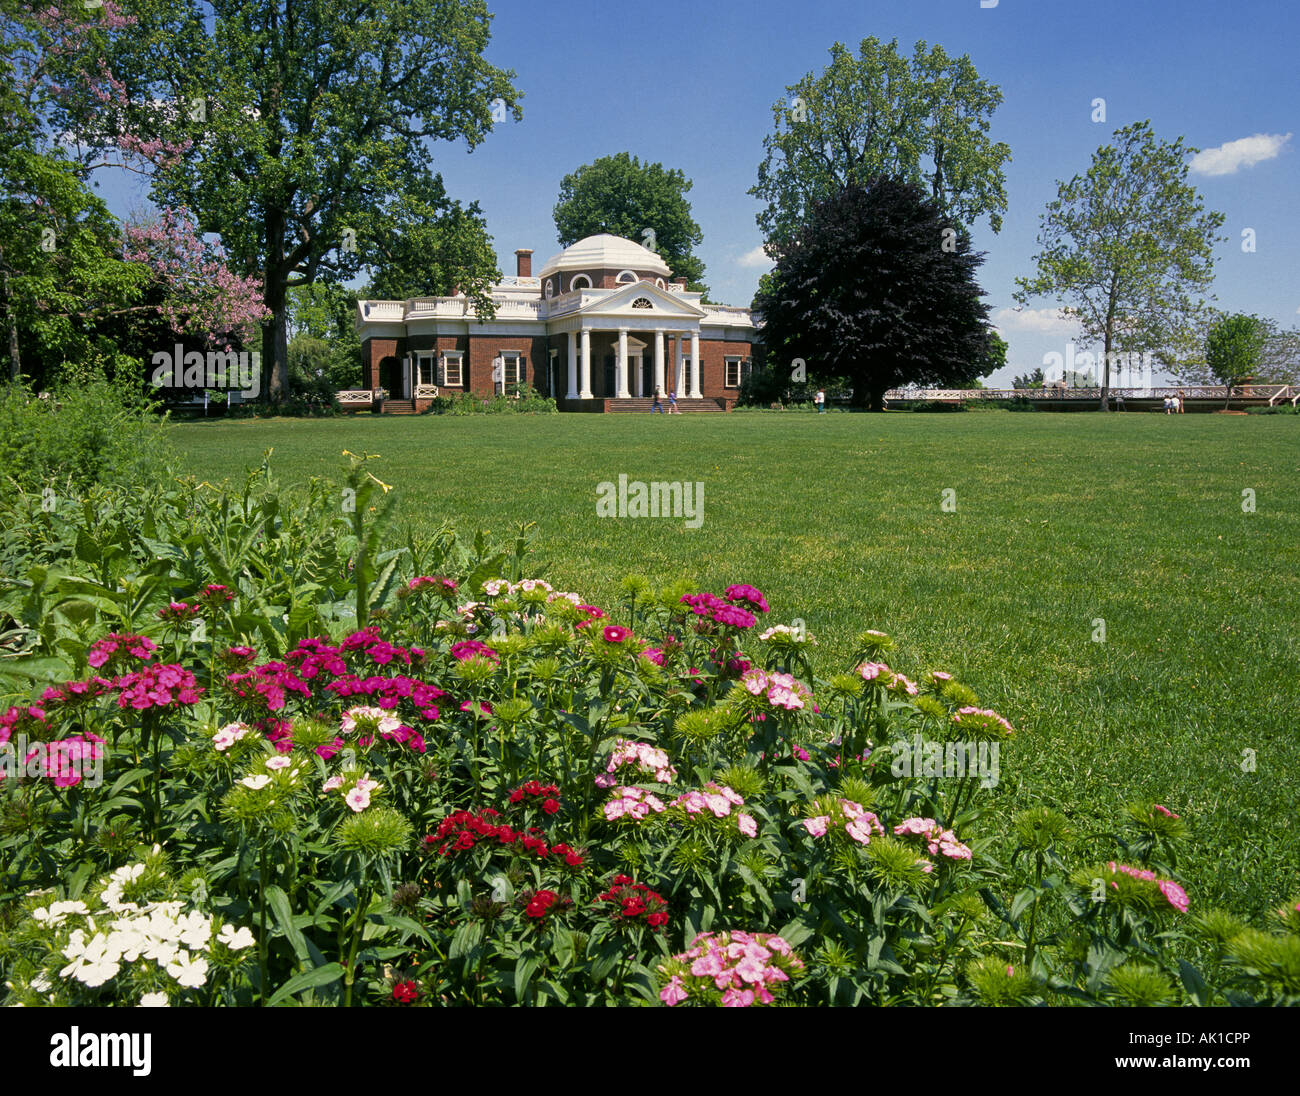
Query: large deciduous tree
880,288
1130,248
301,133
76,289
642,202
925,120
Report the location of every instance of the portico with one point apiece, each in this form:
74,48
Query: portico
602,327
640,324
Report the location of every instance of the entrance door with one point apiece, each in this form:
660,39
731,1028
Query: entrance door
390,377
610,389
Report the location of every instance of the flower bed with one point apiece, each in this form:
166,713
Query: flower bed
496,792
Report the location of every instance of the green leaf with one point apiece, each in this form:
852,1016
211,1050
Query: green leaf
308,979
279,903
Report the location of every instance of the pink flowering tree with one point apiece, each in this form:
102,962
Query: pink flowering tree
202,296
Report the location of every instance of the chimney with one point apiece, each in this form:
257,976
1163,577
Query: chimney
680,281
524,262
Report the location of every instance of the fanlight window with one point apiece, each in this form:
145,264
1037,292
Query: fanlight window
625,277
642,302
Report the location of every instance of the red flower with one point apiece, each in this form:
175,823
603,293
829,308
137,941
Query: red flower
541,903
405,992
551,806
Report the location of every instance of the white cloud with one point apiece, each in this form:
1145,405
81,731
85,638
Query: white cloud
1246,152
755,257
1044,321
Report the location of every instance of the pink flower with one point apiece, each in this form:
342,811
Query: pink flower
1176,895
616,633
738,998
674,992
817,826
746,824
358,799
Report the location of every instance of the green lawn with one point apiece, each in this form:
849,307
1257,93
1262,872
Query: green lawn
1060,519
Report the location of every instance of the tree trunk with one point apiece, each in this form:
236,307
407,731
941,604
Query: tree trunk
275,291
1105,373
275,344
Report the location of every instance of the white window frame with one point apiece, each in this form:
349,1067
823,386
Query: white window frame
729,362
573,282
453,366
521,365
631,279
426,359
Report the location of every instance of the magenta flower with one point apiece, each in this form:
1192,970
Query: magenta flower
747,595
1176,895
616,633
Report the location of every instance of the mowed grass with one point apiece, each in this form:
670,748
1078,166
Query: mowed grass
1061,521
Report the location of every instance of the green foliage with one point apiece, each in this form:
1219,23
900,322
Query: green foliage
523,400
1129,247
620,195
338,175
878,287
86,433
1234,348
925,120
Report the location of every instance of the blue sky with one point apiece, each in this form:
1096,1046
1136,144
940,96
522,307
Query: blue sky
691,85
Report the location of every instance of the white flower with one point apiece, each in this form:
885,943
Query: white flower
129,943
93,966
332,784
257,783
229,735
127,873
161,952
274,763
358,799
188,971
236,939
154,1000
196,931
41,984
57,911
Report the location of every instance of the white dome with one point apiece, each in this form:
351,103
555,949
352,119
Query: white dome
605,252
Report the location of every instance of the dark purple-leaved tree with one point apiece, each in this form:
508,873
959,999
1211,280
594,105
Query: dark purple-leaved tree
878,286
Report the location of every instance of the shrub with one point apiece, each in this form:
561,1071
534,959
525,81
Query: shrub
80,435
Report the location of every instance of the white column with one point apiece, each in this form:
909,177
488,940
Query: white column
572,393
585,393
621,373
659,363
679,372
696,394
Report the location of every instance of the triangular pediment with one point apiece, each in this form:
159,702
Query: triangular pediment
621,301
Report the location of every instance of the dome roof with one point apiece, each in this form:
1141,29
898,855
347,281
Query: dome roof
605,252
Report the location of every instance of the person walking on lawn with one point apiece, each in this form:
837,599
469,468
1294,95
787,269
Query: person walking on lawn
673,409
658,404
